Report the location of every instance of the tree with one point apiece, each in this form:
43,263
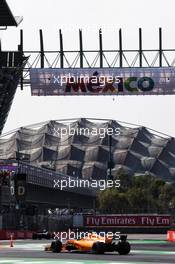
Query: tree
112,201
137,194
156,187
125,179
166,195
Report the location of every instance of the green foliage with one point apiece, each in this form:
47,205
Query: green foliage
137,194
111,201
125,179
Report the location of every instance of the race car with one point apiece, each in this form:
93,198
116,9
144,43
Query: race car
93,243
42,235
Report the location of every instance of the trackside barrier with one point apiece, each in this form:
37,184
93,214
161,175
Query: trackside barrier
6,234
171,236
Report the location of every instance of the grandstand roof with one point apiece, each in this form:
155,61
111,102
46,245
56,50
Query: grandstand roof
138,150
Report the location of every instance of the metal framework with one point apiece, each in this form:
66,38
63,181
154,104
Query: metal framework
100,58
44,177
11,71
6,17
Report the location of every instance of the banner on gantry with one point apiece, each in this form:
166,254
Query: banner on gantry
102,81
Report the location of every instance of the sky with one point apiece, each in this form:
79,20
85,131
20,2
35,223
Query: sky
156,112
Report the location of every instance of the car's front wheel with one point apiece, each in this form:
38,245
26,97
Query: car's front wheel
56,246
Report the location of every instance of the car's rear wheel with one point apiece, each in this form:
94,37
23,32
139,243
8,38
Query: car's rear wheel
48,236
99,248
34,236
56,246
123,247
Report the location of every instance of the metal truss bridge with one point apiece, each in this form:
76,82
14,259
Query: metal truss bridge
80,58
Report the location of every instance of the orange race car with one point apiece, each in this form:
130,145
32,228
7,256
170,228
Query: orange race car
94,243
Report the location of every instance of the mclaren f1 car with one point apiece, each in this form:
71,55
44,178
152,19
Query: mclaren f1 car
92,243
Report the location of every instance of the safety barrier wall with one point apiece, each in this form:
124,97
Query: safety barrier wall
6,234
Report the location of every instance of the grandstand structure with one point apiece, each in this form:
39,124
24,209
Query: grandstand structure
7,19
86,151
11,65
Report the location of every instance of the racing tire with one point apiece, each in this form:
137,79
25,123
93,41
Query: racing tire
123,247
34,236
99,248
48,236
56,246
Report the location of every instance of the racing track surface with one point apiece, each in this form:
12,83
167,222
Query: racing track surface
143,251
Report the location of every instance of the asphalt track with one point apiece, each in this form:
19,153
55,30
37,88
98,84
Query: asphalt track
155,250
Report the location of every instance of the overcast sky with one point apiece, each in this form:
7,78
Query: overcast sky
156,112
